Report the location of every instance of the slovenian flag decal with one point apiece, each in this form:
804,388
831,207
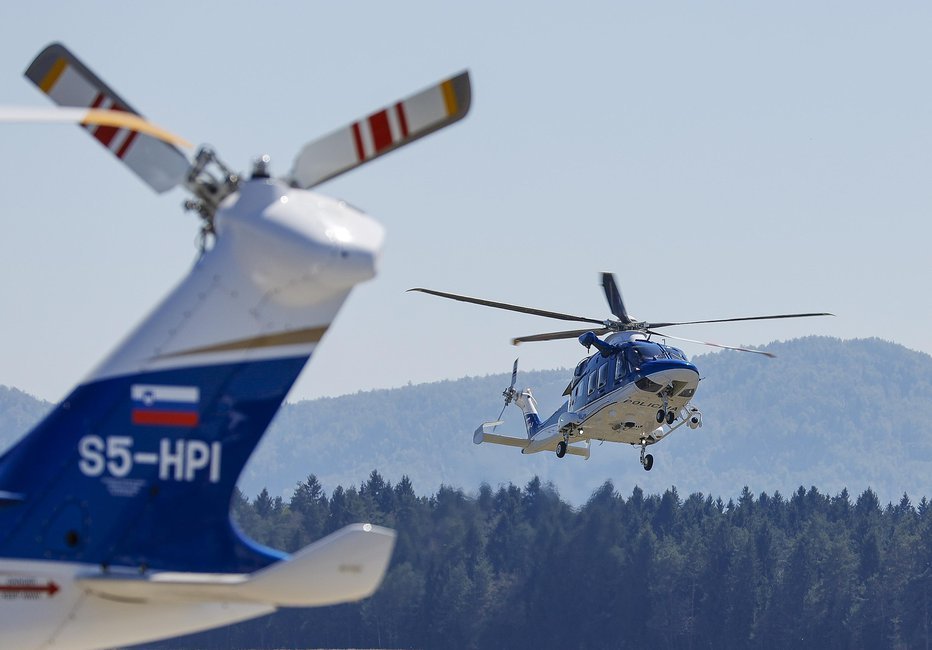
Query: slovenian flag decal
165,406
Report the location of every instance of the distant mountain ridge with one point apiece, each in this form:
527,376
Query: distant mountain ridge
826,413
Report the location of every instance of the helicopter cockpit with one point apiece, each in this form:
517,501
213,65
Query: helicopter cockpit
638,352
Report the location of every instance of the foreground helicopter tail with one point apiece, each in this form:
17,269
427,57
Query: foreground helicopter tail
115,510
131,475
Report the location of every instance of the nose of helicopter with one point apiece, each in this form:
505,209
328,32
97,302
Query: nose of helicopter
668,372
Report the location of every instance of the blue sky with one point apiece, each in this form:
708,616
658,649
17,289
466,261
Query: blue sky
722,158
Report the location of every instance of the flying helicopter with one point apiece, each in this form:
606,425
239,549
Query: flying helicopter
632,390
115,509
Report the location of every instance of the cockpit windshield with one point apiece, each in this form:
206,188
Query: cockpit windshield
580,367
644,351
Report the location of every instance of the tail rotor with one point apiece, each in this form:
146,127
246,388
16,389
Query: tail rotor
509,393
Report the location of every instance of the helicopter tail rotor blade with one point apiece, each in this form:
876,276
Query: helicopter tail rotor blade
509,307
554,336
734,320
68,82
508,394
381,132
613,295
770,355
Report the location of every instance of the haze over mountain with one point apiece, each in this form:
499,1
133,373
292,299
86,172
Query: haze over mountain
825,413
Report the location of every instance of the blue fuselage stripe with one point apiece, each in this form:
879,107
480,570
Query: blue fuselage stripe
100,486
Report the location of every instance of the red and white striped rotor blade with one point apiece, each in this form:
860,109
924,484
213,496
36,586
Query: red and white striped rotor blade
59,74
383,131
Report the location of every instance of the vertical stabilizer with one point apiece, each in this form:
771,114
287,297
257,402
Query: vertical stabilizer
528,405
136,466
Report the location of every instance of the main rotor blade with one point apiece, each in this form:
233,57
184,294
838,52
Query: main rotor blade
733,320
381,132
90,116
509,307
714,345
553,336
613,295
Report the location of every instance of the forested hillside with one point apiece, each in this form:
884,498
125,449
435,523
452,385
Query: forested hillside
18,412
827,413
517,567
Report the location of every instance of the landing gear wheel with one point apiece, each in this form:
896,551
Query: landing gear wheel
648,462
660,416
671,416
561,449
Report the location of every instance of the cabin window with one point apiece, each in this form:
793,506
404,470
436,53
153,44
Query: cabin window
592,378
621,368
603,374
676,353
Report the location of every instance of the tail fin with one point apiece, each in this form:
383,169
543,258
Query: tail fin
137,465
528,405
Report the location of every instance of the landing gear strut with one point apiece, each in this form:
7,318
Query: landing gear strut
666,413
564,444
647,460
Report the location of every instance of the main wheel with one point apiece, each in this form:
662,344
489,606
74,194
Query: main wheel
561,449
660,416
670,417
648,462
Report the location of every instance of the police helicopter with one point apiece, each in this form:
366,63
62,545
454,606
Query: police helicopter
633,390
115,521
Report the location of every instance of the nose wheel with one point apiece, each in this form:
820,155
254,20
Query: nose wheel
666,413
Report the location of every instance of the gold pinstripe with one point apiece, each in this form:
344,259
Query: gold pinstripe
449,97
51,77
294,337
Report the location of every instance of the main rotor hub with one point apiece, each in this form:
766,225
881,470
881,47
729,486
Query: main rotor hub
210,181
618,326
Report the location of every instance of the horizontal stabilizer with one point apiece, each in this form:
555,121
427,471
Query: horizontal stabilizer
59,74
579,450
484,434
345,566
384,130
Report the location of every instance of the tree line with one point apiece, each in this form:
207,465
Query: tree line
517,567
